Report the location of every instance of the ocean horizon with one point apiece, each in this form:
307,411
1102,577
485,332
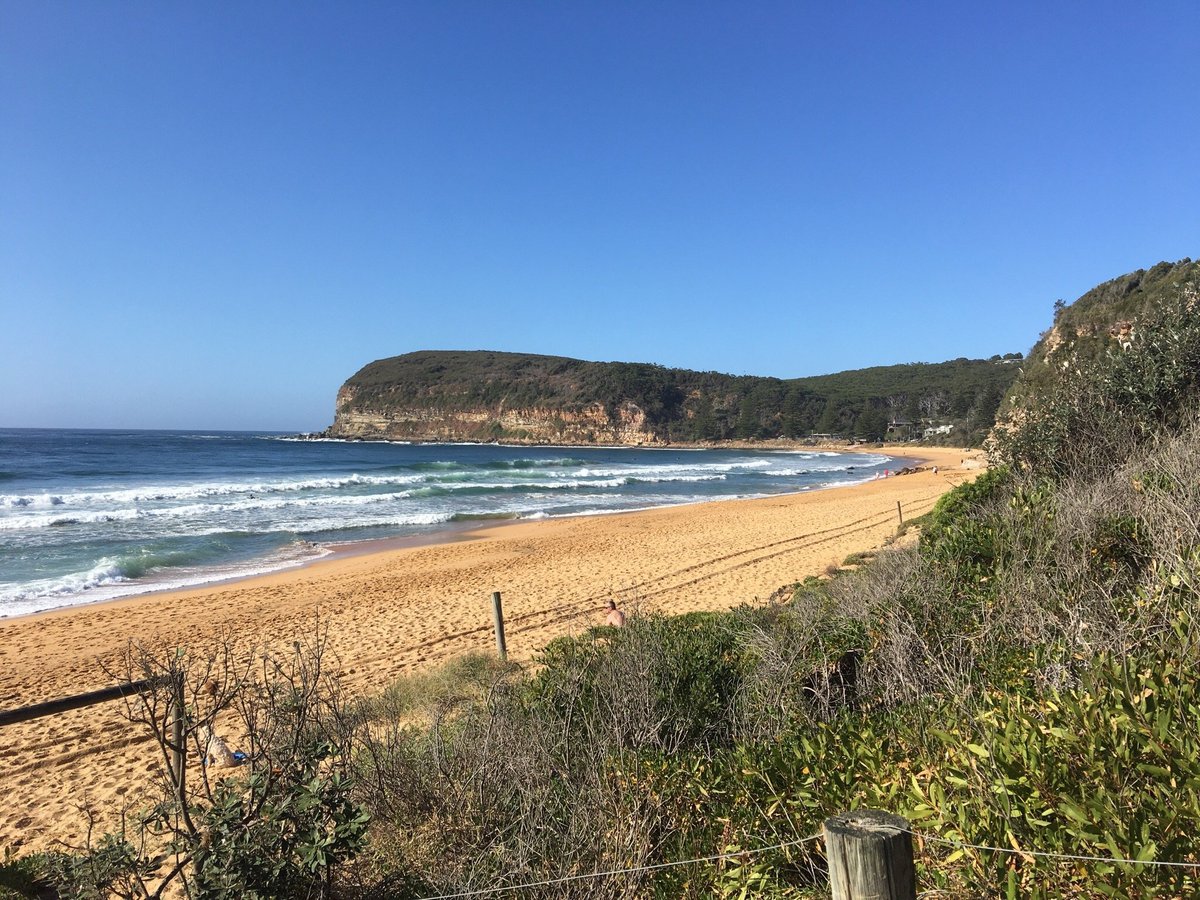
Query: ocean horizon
88,515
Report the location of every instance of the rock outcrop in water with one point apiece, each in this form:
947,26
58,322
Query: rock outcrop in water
524,398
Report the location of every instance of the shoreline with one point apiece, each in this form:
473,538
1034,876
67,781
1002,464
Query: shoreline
450,532
389,612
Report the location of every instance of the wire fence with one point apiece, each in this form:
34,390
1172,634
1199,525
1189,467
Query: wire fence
632,870
743,854
1074,857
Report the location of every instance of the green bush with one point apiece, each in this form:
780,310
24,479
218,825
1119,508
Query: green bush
278,834
23,876
111,867
965,502
1116,549
681,673
1108,769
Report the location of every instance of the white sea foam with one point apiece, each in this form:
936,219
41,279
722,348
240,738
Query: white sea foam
682,479
65,519
264,496
341,524
105,581
37,501
106,572
162,493
648,471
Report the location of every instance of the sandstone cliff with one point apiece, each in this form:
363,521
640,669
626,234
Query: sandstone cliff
535,425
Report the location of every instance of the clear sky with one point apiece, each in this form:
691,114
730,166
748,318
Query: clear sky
212,214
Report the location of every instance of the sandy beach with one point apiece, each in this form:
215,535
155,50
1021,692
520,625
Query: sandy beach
396,611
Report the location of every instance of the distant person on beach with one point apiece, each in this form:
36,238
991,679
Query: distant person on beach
615,617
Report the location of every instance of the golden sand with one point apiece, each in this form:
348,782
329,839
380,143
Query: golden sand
391,612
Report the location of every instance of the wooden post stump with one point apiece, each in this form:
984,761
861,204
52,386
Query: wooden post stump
870,855
498,620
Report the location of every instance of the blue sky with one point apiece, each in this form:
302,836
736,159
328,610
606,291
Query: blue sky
213,214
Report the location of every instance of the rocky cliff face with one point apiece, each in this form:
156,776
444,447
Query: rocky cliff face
591,425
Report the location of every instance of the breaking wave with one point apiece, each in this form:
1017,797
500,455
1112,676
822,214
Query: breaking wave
165,510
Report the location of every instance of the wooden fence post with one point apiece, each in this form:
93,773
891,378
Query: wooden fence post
498,618
900,513
870,855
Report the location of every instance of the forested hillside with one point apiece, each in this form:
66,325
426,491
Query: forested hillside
511,396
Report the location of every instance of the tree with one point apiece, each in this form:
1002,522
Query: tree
831,419
871,423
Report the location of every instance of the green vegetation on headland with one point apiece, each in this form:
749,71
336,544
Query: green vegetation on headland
483,395
1020,684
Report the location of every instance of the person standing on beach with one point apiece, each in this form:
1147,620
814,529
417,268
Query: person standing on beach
615,617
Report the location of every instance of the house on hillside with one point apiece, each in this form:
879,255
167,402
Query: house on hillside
935,430
903,430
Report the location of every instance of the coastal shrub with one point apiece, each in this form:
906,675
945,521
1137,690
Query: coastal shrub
468,676
773,796
57,874
799,663
859,559
963,503
1108,769
111,867
1116,549
563,771
659,682
278,834
281,824
527,783
1017,576
22,876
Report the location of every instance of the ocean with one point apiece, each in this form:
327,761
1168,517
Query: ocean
95,515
